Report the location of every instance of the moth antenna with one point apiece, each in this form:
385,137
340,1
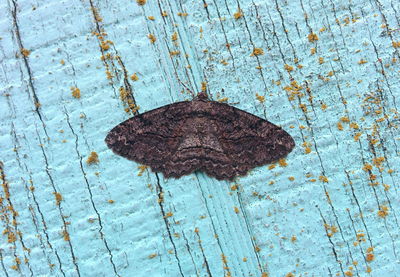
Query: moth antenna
188,89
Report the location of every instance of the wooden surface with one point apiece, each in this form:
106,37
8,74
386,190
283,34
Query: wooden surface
327,71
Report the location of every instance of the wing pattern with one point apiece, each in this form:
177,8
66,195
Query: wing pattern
199,135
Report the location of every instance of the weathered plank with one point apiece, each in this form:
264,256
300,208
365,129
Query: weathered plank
327,71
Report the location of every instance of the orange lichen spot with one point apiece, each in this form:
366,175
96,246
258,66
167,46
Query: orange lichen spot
142,168
153,255
76,92
345,119
312,37
383,211
348,273
58,197
263,274
141,2
134,77
174,36
370,257
257,52
182,14
203,86
313,51
367,167
357,136
234,187
323,29
105,45
340,126
257,248
93,158
291,178
369,269
282,162
25,52
386,187
66,235
236,209
110,201
321,60
175,53
62,62
151,17
323,179
354,125
288,68
362,61
390,171
271,166
293,238
378,161
196,230
169,214
260,98
324,106
224,62
290,274
238,14
223,100
14,267
152,38
396,44
164,14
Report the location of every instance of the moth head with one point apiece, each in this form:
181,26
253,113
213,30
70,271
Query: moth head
201,96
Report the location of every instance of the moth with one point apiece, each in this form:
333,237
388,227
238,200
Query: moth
199,135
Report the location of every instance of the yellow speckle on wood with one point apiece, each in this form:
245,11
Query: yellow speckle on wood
288,68
362,61
169,214
164,14
76,92
383,211
25,52
142,168
370,257
313,51
312,37
257,52
58,197
93,158
152,38
174,36
110,201
182,14
153,255
203,86
321,60
66,235
151,17
323,179
282,162
236,209
223,100
141,2
396,44
238,14
134,77
260,98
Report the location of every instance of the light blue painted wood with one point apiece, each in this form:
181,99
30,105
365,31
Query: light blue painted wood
284,221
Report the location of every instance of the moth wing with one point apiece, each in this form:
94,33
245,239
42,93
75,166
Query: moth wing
147,138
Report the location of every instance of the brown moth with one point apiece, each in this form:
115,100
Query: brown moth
199,135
